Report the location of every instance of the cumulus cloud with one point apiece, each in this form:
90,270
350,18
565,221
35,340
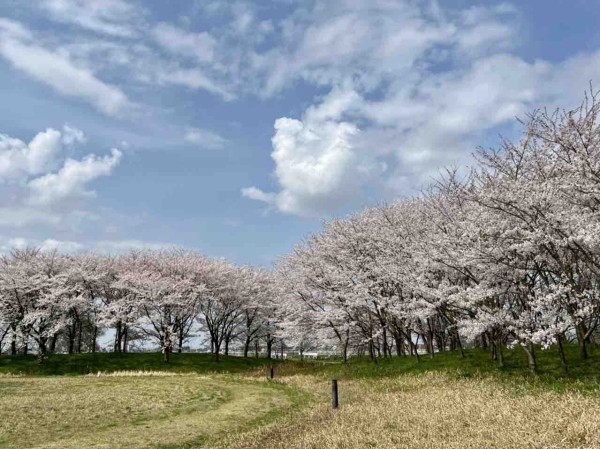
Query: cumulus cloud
401,87
205,138
71,179
316,166
58,71
412,87
19,160
37,181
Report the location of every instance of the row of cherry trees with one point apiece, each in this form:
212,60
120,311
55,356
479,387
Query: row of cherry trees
507,253
166,297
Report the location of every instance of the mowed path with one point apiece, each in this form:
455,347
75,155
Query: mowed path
126,411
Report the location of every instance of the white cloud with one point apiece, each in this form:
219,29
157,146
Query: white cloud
19,160
71,180
194,78
69,246
316,166
20,216
254,193
337,41
205,138
30,193
72,136
58,72
111,17
422,85
120,246
199,46
20,163
60,245
422,81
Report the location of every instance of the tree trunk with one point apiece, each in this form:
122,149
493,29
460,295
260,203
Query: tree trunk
42,350
345,344
561,353
167,344
414,346
180,342
247,346
217,346
531,360
13,343
269,346
371,350
118,337
53,341
398,340
79,336
94,338
498,352
125,338
385,342
581,331
430,338
70,340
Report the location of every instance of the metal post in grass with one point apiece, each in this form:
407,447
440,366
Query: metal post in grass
334,394
271,373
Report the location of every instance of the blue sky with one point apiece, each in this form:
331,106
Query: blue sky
235,127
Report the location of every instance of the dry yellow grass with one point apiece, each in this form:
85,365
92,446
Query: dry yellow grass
128,411
137,374
146,409
433,411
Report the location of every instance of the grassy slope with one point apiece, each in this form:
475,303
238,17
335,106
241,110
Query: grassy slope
77,364
448,390
446,402
583,375
432,410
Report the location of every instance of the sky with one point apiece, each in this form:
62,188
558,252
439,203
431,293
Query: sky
236,127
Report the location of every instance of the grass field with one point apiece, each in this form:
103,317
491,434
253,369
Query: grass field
194,402
78,364
133,410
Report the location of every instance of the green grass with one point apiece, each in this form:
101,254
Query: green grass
78,364
197,402
134,411
476,362
583,375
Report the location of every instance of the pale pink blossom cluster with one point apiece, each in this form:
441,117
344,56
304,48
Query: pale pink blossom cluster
506,253
64,302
